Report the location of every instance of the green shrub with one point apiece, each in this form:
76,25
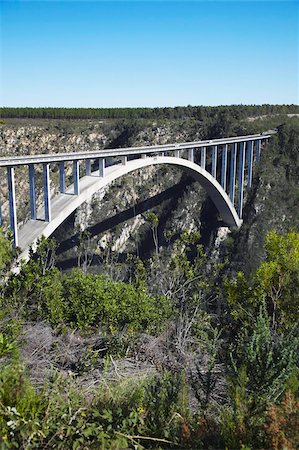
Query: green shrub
93,299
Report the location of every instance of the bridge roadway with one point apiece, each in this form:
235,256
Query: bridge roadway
131,151
64,204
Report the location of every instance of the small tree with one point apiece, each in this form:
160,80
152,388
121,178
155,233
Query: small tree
276,281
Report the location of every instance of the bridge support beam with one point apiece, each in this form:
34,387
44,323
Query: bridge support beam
214,161
61,177
232,177
47,206
258,151
101,167
144,155
241,178
249,161
177,153
191,154
203,157
76,177
224,167
124,160
32,191
88,167
12,204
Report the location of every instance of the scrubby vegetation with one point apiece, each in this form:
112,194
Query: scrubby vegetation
232,384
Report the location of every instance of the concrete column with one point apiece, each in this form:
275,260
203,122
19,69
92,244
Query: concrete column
12,204
143,156
250,161
32,191
214,161
241,178
76,177
88,167
224,167
191,154
232,177
101,167
203,157
124,160
61,177
177,153
47,206
258,151
162,154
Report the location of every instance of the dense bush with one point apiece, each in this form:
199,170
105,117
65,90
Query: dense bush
276,280
121,415
93,299
41,291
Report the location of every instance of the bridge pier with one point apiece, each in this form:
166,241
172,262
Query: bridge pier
232,177
124,160
241,178
224,167
47,206
177,153
214,161
250,161
88,167
203,157
12,204
61,177
32,191
191,154
101,167
258,151
76,177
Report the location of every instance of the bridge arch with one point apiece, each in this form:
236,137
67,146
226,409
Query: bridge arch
63,205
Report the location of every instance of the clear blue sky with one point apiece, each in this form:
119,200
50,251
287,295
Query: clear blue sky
109,54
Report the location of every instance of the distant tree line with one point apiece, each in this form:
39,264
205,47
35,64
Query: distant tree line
179,112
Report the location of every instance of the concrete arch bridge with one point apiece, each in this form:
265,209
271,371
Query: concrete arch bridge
232,159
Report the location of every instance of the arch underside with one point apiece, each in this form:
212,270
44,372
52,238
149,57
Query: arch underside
63,205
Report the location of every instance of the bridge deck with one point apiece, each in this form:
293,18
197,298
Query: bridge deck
56,157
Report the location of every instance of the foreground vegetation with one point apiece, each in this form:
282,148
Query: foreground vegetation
234,384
